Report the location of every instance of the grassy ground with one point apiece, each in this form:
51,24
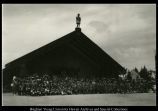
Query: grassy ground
138,99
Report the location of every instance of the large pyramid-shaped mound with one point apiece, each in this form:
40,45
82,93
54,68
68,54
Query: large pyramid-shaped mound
73,53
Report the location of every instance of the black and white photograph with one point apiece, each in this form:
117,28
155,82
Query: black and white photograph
78,54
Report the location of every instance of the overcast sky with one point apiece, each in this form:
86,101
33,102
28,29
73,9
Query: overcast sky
126,32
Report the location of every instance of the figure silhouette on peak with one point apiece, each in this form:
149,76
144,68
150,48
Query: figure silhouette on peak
78,20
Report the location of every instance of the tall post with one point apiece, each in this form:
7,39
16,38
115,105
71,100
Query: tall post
155,60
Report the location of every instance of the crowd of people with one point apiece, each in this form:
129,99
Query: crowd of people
36,85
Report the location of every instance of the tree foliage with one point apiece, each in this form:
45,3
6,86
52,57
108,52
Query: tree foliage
145,74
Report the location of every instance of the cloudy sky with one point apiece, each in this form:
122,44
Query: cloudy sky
126,32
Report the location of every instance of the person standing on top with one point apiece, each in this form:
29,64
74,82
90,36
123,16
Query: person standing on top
78,20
